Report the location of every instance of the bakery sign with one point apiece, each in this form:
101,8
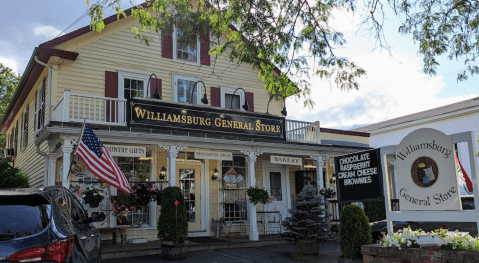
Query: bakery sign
190,118
286,160
426,172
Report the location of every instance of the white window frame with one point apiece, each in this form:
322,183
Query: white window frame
229,90
24,131
122,75
199,90
175,53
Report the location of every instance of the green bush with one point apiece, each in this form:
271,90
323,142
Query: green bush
12,177
173,221
375,211
354,231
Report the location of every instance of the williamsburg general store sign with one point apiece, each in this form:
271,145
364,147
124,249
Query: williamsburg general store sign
188,118
426,172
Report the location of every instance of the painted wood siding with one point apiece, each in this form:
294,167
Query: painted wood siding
116,49
28,160
448,126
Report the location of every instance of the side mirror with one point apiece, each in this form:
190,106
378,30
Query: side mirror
98,216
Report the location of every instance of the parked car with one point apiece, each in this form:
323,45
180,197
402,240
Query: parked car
47,225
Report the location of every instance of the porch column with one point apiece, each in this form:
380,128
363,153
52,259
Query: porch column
171,153
253,226
318,161
67,149
52,167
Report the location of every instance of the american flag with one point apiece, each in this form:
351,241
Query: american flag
98,160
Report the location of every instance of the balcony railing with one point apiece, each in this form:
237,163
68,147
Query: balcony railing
73,107
300,131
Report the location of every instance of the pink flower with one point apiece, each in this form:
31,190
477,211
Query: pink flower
270,199
113,208
264,188
114,201
440,229
139,187
148,189
131,207
122,205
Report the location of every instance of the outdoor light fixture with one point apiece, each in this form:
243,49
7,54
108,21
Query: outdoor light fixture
155,95
284,112
162,173
204,100
245,106
214,176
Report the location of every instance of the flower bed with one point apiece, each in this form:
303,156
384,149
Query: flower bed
402,246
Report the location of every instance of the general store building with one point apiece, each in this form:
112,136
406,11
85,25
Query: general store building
155,123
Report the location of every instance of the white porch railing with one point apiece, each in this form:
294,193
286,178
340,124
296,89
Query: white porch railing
300,131
73,107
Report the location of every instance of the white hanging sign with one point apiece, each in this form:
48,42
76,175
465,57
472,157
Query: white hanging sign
126,151
426,172
211,155
286,160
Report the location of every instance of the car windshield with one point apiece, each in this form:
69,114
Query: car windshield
22,218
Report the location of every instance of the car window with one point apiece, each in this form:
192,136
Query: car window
78,214
23,220
65,205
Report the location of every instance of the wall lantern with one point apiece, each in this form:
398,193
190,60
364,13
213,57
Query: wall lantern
214,176
204,100
333,179
155,95
162,173
245,106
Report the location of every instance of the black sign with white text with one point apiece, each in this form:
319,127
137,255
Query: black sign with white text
359,176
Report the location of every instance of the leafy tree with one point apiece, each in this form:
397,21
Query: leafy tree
291,35
295,35
8,83
12,177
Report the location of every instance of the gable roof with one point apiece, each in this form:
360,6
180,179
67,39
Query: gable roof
455,108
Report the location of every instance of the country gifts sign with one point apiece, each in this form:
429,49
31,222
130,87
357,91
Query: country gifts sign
359,176
426,171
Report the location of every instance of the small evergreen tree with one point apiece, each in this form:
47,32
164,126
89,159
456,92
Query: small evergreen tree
354,231
173,220
308,219
12,177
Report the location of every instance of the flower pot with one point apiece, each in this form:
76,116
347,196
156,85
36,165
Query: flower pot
307,247
217,231
172,250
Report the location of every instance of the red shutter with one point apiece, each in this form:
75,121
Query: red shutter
155,83
204,48
166,44
215,97
250,99
111,91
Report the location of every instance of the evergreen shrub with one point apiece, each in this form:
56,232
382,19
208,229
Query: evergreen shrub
173,220
12,177
354,231
308,219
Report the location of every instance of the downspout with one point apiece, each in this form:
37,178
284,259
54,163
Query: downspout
37,147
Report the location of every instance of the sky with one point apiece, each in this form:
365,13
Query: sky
394,86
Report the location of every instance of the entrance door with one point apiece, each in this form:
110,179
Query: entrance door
276,184
189,182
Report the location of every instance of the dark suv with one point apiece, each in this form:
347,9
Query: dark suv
47,225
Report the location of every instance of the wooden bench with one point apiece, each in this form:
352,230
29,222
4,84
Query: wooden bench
111,230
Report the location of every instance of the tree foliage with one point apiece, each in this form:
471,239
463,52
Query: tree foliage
12,177
292,35
8,83
354,231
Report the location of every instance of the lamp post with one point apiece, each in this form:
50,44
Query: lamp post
155,95
204,100
245,106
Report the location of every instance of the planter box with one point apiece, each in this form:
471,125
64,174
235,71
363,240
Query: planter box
379,253
172,251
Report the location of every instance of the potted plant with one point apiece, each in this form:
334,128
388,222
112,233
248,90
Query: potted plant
354,231
217,225
257,195
308,225
120,206
145,192
173,224
328,192
92,196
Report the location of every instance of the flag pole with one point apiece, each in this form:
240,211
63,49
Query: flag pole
76,147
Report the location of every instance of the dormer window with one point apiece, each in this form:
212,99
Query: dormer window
185,52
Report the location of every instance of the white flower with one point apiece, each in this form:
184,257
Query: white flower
83,196
409,243
95,194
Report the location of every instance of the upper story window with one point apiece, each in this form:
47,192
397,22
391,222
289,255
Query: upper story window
132,85
185,52
24,133
183,90
230,101
40,107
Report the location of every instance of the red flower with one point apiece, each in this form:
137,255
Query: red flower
133,208
176,203
139,187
